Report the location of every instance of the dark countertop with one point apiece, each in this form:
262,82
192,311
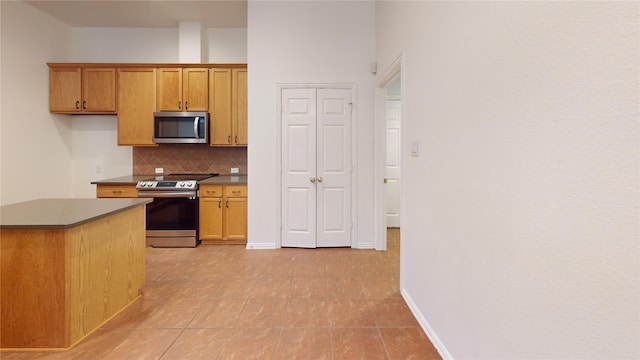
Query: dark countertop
62,213
133,179
225,180
124,180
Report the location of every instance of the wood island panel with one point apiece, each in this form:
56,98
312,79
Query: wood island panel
59,285
34,289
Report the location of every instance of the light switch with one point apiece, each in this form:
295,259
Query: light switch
415,148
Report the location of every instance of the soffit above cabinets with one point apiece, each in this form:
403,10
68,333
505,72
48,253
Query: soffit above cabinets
146,14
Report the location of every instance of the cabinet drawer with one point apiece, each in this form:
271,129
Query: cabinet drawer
110,191
210,190
235,191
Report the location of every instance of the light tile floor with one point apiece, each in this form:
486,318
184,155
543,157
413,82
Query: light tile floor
225,302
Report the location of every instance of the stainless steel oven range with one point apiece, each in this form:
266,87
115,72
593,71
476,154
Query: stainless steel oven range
172,217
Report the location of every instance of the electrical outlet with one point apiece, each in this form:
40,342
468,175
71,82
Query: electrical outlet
234,170
159,170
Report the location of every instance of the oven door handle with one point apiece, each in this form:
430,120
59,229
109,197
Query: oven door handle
167,194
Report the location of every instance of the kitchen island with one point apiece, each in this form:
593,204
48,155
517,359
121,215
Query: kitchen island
67,267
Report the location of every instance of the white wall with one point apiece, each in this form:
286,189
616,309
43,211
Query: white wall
142,45
306,42
35,149
227,45
522,239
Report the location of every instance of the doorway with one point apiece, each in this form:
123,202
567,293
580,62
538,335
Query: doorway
388,188
393,140
392,158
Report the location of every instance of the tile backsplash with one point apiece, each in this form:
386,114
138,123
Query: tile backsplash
188,158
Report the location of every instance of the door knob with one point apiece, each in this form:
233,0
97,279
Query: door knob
319,178
312,179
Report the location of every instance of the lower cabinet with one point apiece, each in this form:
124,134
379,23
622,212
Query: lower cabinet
116,191
223,214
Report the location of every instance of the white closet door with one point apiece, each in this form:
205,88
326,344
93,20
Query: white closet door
316,167
299,167
334,167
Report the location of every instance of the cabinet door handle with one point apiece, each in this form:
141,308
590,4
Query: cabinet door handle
179,105
236,139
220,203
229,139
78,104
312,179
84,105
227,204
116,191
186,105
319,178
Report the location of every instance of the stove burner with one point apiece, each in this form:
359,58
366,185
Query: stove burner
182,182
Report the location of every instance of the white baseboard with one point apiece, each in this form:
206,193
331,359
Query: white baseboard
261,246
425,326
365,246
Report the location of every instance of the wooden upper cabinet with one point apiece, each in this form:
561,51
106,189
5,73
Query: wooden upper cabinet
220,107
82,90
239,106
228,106
99,90
169,89
65,90
182,89
195,89
136,103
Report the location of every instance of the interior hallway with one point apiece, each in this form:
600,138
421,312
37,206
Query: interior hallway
225,302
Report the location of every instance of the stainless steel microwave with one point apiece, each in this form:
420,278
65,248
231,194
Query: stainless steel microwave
180,127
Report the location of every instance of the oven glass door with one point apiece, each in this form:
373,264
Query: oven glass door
172,213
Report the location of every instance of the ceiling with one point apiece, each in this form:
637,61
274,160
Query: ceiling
146,14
